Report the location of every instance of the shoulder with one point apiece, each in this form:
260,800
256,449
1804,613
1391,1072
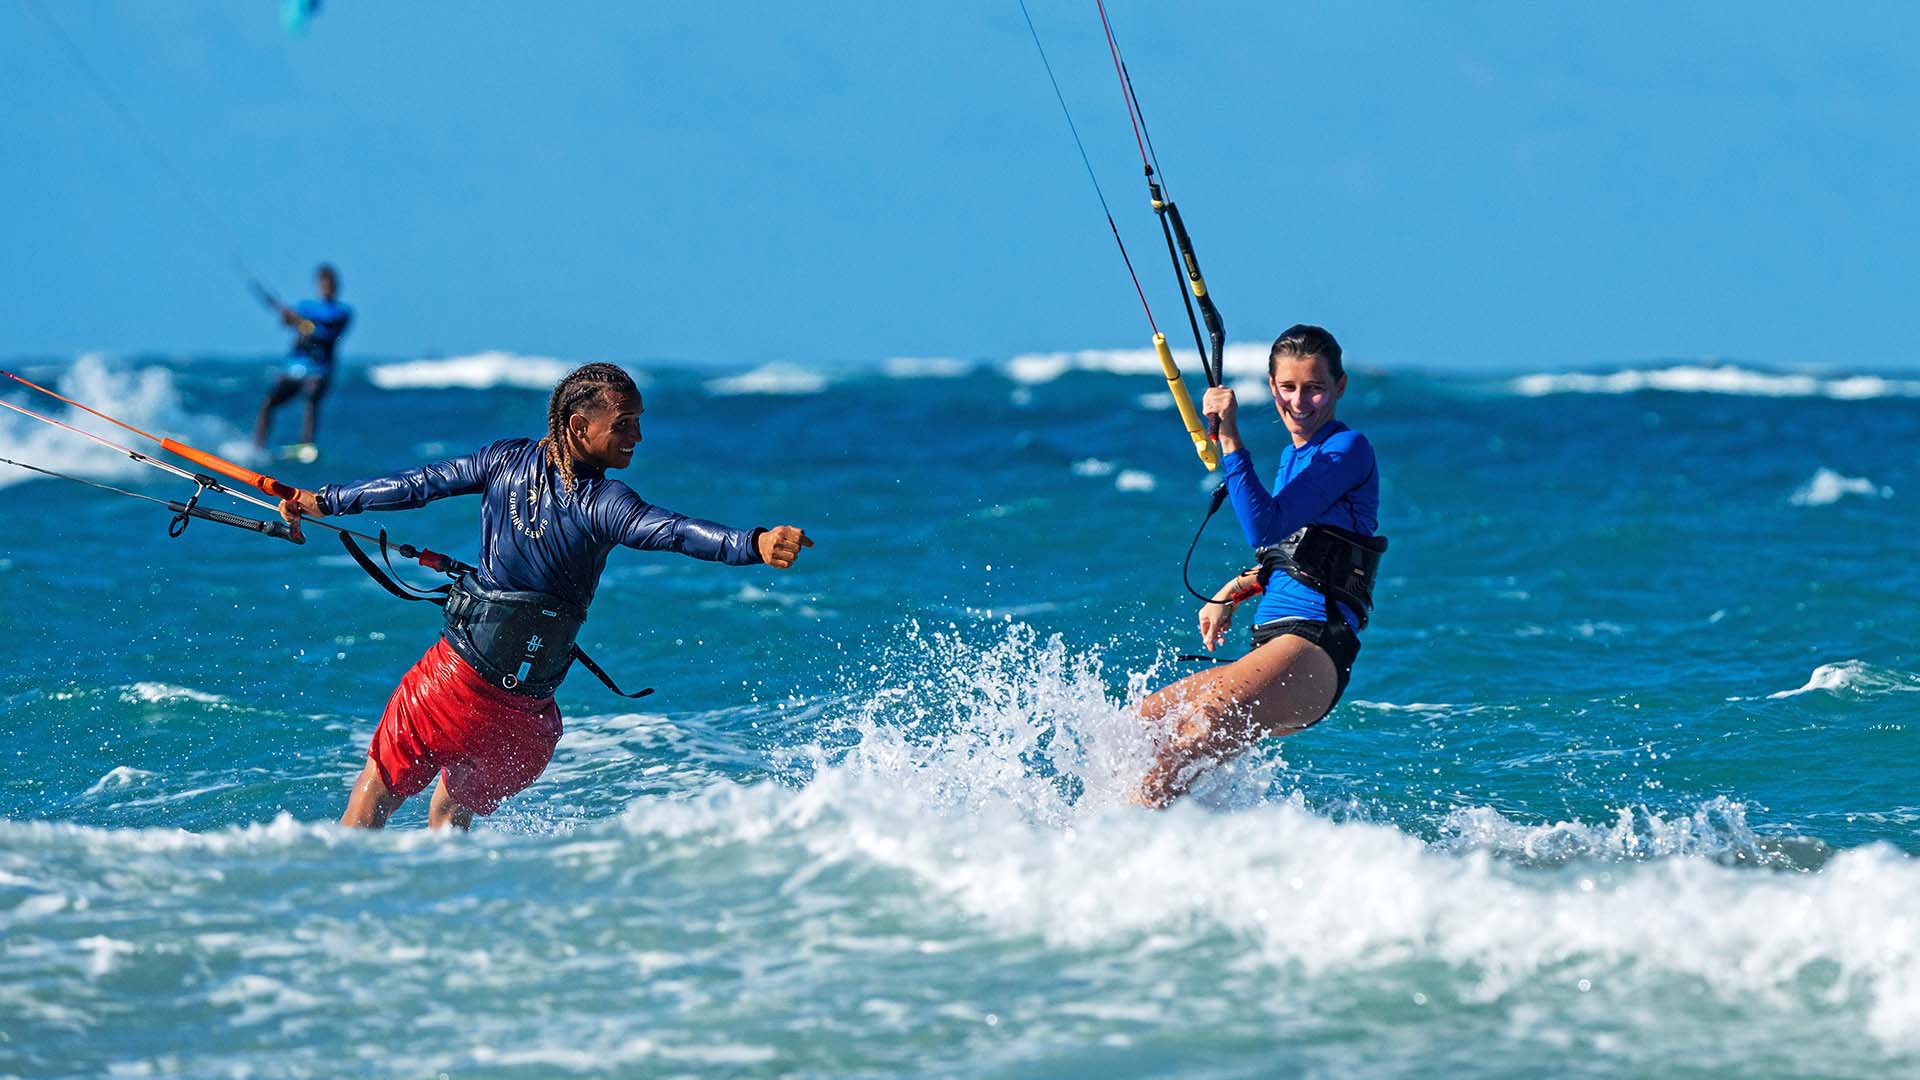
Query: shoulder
606,492
1347,441
1350,450
610,507
519,444
514,451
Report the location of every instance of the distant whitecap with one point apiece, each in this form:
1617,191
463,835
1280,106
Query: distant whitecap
479,371
1827,487
777,379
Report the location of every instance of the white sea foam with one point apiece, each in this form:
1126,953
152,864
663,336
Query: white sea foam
156,692
1239,358
965,810
118,778
1297,893
1092,467
941,786
1827,487
1854,677
776,379
1717,828
1724,379
1135,480
479,371
103,954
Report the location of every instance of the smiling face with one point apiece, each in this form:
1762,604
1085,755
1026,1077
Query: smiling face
606,434
1305,391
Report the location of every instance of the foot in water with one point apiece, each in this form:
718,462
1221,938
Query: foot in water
305,453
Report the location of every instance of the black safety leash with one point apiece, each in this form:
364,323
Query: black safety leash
1213,507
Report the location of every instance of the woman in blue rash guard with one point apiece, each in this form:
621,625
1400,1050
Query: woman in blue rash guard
1314,535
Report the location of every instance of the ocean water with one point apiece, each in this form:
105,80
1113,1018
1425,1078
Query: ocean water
1625,784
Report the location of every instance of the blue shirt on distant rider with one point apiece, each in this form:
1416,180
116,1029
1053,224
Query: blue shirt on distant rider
1332,480
313,350
535,536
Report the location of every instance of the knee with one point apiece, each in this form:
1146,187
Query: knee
1209,728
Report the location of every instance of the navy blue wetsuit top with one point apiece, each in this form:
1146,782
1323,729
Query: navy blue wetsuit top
314,349
1330,481
534,535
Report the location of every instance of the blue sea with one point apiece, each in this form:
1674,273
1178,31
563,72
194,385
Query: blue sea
1627,782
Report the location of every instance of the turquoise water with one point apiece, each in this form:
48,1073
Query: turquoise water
1624,784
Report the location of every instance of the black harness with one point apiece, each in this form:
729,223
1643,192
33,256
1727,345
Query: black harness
1339,564
519,641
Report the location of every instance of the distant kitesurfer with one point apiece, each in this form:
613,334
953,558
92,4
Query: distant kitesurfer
477,710
1313,535
318,325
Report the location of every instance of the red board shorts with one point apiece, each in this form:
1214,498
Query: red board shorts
445,716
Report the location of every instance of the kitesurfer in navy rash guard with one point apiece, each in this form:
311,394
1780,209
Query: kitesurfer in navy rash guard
550,515
1301,658
535,536
319,324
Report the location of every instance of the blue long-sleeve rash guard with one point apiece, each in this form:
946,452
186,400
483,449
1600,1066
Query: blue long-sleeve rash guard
330,319
534,535
1333,480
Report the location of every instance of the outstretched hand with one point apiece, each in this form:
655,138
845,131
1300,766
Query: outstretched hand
780,545
304,504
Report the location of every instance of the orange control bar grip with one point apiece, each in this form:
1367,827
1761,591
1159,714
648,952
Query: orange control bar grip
228,469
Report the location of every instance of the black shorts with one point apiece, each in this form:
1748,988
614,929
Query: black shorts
1336,639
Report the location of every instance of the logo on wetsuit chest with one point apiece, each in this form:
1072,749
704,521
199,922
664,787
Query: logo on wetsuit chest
533,515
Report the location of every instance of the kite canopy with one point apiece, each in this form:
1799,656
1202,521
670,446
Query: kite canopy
295,13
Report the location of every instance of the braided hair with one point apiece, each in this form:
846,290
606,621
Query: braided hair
584,389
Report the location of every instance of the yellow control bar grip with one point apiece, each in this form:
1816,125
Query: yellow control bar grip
1208,450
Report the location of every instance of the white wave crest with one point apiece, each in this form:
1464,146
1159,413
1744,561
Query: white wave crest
118,777
1239,358
1725,379
779,379
156,692
1718,828
926,367
1305,898
995,778
1827,487
145,397
1135,480
479,371
1854,677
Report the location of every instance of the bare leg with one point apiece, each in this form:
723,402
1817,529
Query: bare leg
372,802
1282,687
444,811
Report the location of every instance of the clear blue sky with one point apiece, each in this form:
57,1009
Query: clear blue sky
1516,185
